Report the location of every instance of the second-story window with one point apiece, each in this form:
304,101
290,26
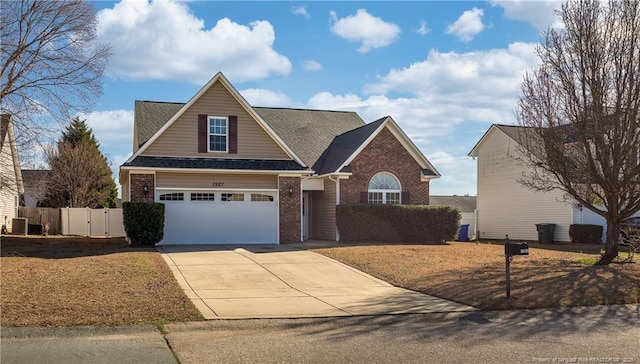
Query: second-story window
218,134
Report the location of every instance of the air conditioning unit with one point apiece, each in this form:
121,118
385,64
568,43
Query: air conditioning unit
19,225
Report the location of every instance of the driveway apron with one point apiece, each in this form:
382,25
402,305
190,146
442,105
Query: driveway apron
277,281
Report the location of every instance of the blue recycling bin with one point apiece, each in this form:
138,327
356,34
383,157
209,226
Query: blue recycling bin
464,233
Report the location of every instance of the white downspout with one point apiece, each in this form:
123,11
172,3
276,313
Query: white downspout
337,181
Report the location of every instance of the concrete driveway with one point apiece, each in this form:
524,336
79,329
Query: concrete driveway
281,281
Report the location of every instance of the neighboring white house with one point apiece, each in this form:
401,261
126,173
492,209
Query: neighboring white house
505,207
10,176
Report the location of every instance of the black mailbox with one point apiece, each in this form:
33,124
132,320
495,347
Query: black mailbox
516,249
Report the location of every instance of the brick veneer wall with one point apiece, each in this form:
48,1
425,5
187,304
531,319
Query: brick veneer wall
384,154
138,181
290,219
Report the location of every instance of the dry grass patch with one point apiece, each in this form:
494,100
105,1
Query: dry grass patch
474,274
81,281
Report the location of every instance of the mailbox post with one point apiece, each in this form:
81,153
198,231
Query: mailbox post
511,249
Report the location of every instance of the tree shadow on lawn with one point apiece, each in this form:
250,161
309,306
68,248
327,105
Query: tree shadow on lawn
535,284
65,247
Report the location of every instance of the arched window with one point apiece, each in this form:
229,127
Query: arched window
384,188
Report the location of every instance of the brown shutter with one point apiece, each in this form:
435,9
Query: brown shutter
364,197
404,198
202,133
233,134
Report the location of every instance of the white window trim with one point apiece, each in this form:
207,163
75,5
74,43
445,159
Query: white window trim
383,191
209,134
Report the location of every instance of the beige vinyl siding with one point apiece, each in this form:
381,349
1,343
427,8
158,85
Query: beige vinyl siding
507,207
323,211
181,138
207,180
124,191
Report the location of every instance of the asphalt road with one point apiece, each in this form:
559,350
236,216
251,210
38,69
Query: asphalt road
583,335
606,334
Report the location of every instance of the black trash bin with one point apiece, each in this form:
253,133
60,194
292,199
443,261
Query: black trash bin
545,233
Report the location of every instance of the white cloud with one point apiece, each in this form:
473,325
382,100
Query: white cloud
310,65
164,40
541,13
485,76
112,128
423,30
445,103
468,25
262,97
458,174
300,10
372,32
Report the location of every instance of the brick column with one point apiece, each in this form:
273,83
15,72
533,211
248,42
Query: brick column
138,181
290,219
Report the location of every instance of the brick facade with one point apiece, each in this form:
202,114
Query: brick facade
138,181
384,154
290,219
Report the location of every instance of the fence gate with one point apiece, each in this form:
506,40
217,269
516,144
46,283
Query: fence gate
92,222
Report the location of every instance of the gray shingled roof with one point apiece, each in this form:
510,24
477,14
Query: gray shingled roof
463,203
215,163
33,178
150,116
343,146
309,132
513,131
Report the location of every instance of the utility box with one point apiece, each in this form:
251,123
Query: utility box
19,226
516,249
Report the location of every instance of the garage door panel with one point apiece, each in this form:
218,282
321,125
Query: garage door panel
220,222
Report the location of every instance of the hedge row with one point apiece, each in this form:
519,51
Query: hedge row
143,222
585,233
414,224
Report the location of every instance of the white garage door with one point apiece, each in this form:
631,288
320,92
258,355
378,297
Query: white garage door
219,217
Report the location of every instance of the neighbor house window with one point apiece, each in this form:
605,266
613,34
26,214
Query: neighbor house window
384,188
218,134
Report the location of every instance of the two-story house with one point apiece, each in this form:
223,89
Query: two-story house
229,172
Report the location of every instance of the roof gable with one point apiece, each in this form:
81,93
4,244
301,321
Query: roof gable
512,131
150,116
217,79
346,147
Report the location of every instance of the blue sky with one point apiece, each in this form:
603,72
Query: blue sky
445,71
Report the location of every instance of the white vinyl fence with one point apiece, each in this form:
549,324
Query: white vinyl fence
92,222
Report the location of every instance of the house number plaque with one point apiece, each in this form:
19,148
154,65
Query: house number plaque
218,184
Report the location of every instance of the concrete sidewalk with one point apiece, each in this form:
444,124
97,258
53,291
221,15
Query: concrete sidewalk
283,281
81,345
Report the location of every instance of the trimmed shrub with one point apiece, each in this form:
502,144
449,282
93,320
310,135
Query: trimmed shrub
143,222
414,224
585,233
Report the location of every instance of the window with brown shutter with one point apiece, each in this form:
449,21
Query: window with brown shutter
233,134
203,133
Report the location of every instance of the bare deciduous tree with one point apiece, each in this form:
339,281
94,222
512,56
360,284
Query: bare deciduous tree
51,63
76,169
581,109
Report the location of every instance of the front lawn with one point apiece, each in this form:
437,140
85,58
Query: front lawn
82,281
474,274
